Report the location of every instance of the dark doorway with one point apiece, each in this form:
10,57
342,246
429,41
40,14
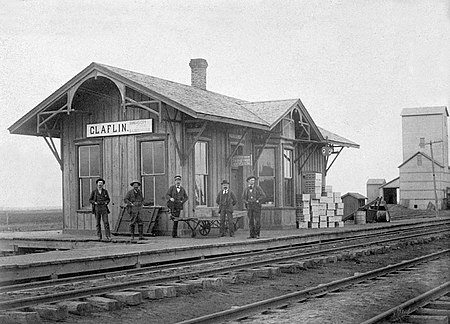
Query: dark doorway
390,195
237,181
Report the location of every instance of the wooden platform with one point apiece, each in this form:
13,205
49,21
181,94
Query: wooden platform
88,255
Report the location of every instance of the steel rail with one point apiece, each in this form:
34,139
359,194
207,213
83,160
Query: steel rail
412,304
320,290
57,282
158,268
86,292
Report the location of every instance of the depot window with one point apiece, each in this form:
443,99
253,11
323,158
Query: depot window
288,183
201,173
89,162
266,174
153,171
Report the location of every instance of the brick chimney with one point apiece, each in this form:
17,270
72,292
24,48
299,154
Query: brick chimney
198,72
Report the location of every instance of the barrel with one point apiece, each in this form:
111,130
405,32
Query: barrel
360,217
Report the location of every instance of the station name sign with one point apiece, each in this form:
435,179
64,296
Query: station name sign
127,127
241,160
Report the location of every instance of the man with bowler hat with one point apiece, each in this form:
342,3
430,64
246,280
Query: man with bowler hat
176,197
100,199
253,197
134,201
226,199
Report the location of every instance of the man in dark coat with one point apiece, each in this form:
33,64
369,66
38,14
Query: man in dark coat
134,201
176,196
100,199
226,200
253,197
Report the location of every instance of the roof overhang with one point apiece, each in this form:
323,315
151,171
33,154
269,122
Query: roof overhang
95,70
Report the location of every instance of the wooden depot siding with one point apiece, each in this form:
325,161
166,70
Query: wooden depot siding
181,116
119,154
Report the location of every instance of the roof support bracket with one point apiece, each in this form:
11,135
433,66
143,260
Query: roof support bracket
336,154
63,109
142,104
304,152
52,146
258,155
172,130
197,136
237,147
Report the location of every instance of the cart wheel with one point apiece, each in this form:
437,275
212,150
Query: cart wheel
204,227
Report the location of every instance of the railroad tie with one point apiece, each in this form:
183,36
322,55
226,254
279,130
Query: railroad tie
127,297
20,317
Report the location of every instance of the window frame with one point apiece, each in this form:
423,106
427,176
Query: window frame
78,144
151,138
291,178
274,176
206,176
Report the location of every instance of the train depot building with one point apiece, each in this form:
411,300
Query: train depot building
124,126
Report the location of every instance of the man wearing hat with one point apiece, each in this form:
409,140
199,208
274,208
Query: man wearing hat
226,200
100,199
134,200
176,197
253,197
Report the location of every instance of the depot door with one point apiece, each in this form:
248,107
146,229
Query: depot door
237,179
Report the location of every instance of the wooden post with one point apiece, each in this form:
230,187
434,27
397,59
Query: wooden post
434,180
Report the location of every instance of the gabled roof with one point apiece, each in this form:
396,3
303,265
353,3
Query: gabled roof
438,110
394,183
195,102
274,111
354,194
424,155
271,111
376,181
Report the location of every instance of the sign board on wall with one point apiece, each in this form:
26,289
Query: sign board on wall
241,160
127,127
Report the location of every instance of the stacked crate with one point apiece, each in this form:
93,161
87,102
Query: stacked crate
313,184
319,209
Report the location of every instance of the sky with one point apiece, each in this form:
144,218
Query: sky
354,64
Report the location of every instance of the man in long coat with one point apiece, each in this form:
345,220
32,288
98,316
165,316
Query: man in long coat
253,197
176,196
134,201
100,199
226,199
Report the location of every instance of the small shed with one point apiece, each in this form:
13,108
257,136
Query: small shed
373,188
352,201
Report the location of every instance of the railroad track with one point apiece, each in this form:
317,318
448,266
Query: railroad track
365,238
268,306
278,254
16,303
431,306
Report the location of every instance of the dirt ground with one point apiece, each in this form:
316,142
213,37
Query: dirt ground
184,307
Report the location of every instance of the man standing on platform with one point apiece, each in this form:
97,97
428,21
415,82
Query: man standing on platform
176,196
253,197
226,200
100,199
134,201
